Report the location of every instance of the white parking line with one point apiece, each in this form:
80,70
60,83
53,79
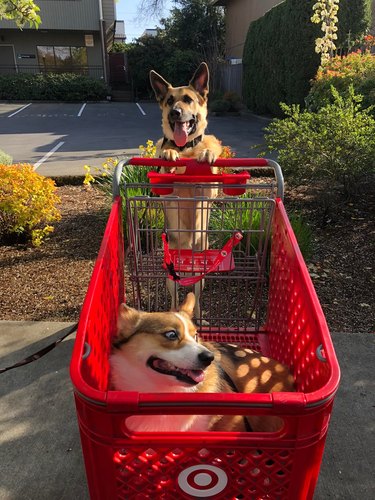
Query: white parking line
140,109
46,156
82,108
18,110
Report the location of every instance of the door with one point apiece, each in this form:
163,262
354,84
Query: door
7,59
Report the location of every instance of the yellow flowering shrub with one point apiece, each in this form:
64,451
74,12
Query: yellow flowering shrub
100,173
148,151
89,178
27,203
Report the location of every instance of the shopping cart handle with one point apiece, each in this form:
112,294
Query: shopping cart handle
209,403
233,163
176,403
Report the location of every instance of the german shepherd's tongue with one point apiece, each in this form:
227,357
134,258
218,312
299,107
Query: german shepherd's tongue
180,133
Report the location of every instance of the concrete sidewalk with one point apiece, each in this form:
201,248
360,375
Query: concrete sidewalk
40,453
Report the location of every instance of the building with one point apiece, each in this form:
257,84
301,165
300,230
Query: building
150,32
238,17
239,14
75,36
120,31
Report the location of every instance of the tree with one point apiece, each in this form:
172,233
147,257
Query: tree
21,12
194,32
198,26
151,8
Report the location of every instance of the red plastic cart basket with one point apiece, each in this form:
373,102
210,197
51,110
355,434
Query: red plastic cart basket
227,466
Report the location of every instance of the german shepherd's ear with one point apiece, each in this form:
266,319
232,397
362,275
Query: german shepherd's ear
200,79
127,322
188,304
159,85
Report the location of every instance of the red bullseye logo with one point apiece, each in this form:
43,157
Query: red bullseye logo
202,481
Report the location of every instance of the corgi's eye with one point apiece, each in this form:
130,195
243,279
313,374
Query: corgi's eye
187,99
171,335
170,101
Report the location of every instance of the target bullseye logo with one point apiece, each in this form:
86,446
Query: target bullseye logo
202,480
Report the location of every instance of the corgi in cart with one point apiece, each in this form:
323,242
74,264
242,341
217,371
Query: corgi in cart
160,352
184,122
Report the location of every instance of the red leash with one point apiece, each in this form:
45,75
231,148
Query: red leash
191,280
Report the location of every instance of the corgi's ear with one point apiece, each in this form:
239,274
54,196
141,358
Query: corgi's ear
159,85
188,304
127,322
200,80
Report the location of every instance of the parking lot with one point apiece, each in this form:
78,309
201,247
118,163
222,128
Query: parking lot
60,138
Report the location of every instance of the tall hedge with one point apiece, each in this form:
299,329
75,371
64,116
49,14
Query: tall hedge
354,19
279,54
279,57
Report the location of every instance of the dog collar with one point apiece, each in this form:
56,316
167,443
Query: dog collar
189,144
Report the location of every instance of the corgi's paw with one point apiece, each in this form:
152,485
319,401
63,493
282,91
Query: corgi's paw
170,155
207,156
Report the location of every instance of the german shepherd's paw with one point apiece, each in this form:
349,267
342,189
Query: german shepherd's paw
207,156
170,155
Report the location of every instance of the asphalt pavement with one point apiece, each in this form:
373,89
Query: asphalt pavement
59,139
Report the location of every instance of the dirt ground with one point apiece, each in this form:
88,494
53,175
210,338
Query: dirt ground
49,283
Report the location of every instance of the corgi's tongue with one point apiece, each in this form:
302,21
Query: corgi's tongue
196,375
180,133
183,374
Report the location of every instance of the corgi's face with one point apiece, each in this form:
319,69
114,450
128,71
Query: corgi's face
159,351
184,109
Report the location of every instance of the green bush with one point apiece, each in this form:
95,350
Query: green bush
234,101
219,106
52,87
337,143
356,69
5,159
225,102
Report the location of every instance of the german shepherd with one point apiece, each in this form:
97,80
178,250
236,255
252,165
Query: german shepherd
160,352
184,121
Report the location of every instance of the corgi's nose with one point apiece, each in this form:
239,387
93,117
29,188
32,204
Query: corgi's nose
175,113
206,357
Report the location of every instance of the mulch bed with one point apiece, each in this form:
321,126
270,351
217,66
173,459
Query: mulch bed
49,283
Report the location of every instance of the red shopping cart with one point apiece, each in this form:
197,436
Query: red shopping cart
270,305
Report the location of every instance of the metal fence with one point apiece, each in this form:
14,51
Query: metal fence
93,71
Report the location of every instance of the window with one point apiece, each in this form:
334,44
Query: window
61,57
46,56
